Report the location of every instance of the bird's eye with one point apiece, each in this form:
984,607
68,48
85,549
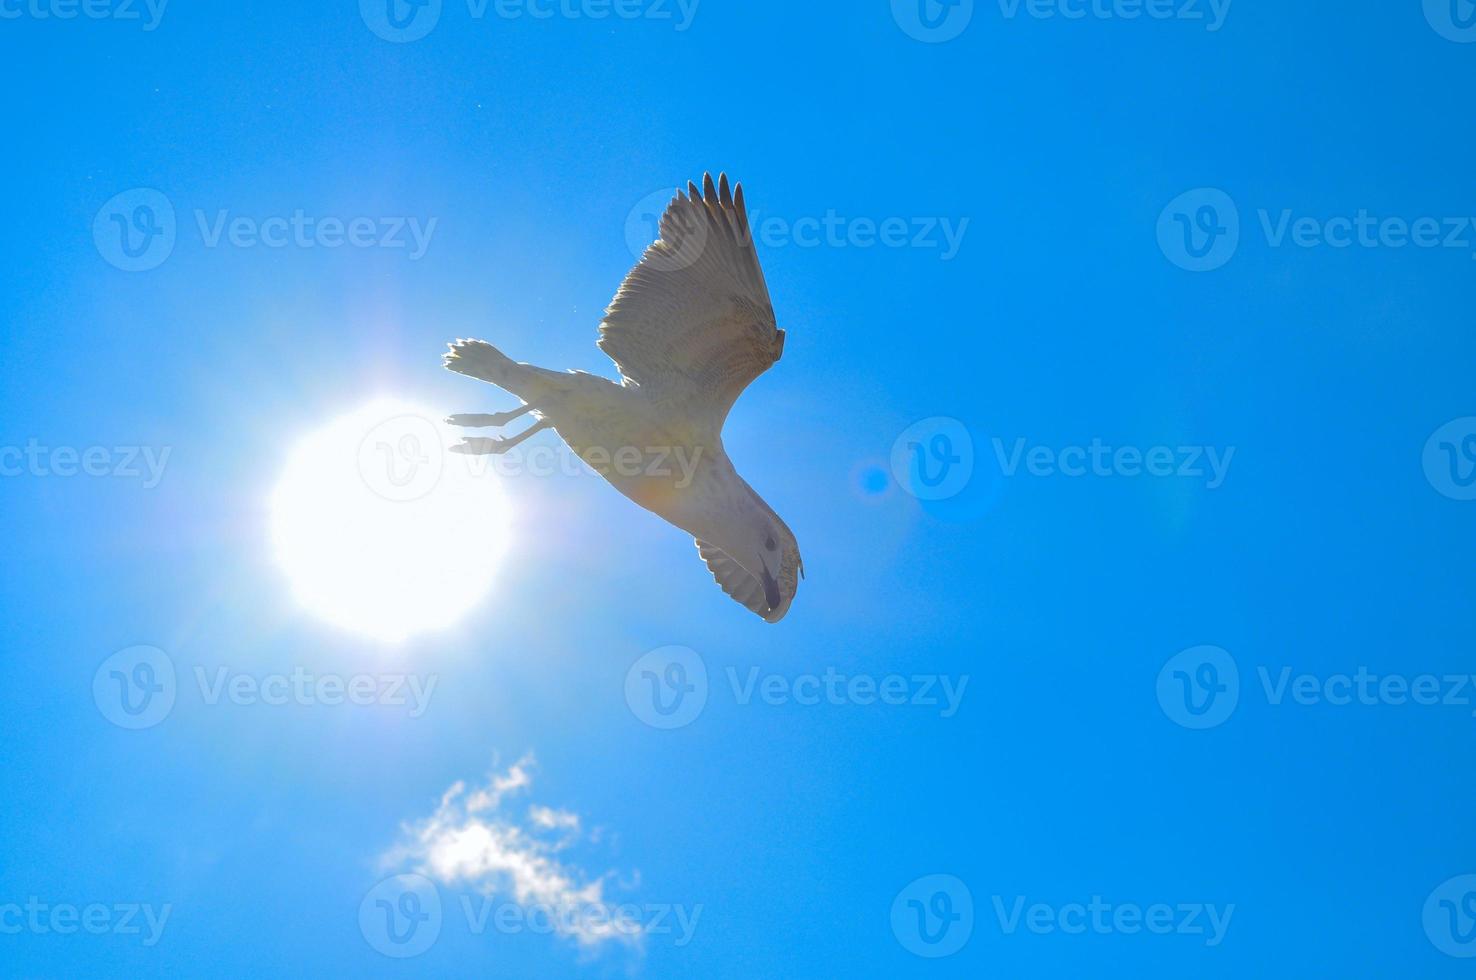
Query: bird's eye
769,543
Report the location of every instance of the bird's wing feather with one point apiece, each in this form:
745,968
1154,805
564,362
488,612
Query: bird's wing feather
734,578
693,320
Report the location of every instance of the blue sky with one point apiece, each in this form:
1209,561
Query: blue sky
1155,662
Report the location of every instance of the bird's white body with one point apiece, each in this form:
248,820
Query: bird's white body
690,328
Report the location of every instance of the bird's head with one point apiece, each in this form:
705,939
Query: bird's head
770,553
753,556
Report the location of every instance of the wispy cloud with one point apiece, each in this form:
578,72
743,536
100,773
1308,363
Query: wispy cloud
477,840
551,819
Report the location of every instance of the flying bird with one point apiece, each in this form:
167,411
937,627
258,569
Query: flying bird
689,329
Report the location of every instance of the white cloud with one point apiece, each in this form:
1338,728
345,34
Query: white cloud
473,841
551,819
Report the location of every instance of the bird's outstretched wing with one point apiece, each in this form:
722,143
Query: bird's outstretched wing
693,321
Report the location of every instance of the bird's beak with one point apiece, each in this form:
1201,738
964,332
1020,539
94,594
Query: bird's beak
771,587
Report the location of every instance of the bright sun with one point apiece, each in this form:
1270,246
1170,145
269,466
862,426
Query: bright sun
380,529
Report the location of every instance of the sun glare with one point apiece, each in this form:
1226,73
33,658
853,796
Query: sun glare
381,530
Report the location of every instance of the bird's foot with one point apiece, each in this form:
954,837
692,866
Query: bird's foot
488,421
483,447
493,447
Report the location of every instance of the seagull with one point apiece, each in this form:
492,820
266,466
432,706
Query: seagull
689,329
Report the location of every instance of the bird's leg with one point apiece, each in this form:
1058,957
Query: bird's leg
493,447
488,421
